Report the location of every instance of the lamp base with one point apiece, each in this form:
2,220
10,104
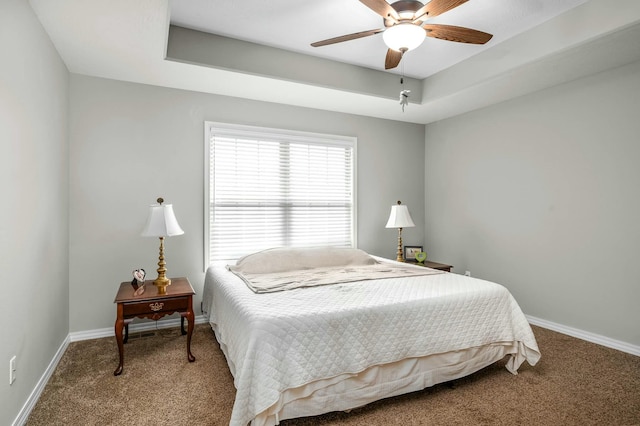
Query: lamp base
399,256
162,283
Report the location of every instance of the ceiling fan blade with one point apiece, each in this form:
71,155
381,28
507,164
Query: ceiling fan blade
437,7
459,34
392,59
382,8
347,37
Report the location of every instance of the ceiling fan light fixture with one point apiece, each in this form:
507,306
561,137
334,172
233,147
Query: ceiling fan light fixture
404,36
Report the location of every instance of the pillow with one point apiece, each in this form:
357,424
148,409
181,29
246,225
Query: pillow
293,259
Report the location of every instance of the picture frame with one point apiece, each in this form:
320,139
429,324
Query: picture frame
410,253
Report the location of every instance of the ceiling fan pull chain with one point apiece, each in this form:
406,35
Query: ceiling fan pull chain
404,94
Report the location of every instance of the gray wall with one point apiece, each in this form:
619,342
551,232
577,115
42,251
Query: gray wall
34,214
130,143
542,195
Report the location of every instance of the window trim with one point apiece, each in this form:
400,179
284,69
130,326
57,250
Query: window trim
277,135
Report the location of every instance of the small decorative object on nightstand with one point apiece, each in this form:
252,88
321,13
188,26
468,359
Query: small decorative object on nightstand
138,281
410,253
421,257
138,276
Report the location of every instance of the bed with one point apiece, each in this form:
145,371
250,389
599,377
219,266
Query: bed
309,331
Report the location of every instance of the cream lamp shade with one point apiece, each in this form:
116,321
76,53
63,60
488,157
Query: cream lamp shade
400,218
161,223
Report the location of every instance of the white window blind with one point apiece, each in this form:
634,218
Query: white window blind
274,188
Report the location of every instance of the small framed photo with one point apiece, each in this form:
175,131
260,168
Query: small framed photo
410,252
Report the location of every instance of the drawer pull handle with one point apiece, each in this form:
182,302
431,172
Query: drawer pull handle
155,307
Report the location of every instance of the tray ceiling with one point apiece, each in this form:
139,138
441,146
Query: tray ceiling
261,50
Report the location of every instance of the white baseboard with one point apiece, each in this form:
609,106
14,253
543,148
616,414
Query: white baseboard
134,327
585,335
23,415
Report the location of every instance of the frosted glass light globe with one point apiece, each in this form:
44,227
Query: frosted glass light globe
404,36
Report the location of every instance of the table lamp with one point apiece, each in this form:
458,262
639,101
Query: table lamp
400,218
161,223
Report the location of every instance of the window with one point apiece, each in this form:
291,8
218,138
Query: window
274,188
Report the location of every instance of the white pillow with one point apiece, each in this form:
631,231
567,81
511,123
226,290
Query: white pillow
294,259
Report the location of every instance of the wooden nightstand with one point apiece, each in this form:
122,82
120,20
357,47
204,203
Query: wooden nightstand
434,265
150,304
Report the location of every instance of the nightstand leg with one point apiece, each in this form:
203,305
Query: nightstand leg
182,330
190,321
118,331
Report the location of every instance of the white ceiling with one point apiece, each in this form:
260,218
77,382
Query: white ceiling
536,44
295,24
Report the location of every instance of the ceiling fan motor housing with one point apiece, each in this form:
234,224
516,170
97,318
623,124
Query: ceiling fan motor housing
405,8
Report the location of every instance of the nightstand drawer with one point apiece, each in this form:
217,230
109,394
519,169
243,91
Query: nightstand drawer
155,306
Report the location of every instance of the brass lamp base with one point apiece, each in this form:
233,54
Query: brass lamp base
399,256
162,283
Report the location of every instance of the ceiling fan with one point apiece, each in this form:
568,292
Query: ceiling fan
405,27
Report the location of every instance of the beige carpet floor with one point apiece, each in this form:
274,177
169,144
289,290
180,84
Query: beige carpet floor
575,383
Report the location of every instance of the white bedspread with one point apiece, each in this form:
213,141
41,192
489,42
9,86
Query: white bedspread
283,340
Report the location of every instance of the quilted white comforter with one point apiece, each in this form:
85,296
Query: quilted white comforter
284,340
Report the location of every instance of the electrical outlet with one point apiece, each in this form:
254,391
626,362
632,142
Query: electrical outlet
12,370
467,273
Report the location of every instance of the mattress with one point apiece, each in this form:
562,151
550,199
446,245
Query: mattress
293,353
